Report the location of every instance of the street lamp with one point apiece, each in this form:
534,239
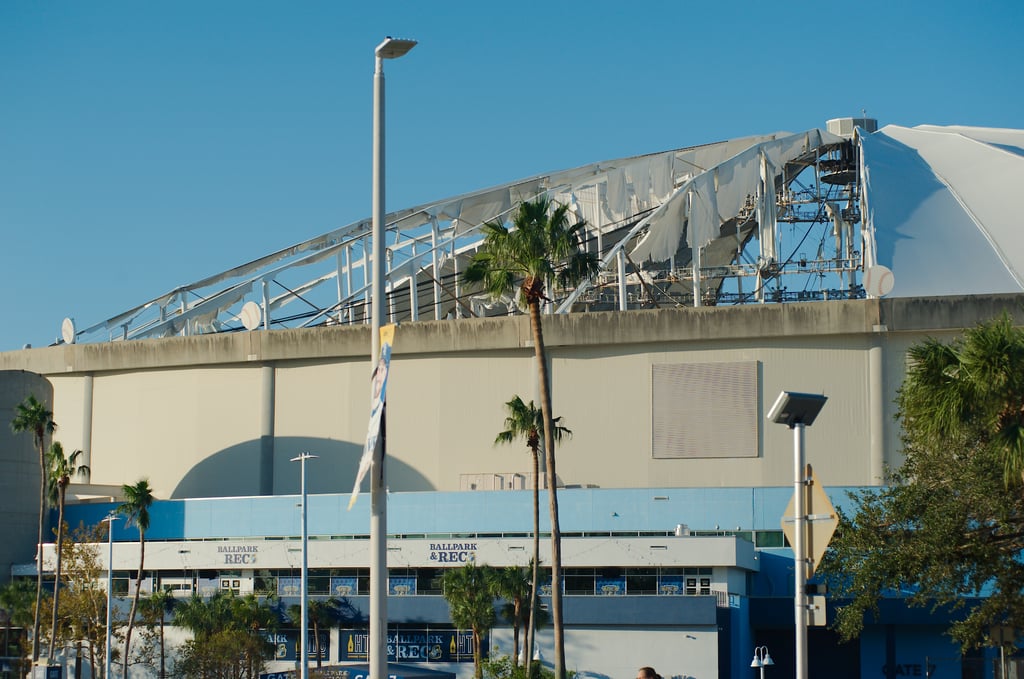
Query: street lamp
761,659
391,48
796,411
109,520
303,587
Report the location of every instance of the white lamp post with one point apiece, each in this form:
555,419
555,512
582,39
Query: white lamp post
761,659
796,411
391,48
303,580
111,518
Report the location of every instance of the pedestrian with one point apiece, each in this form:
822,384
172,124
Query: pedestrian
647,673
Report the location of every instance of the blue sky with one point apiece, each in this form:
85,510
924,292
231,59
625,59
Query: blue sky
145,145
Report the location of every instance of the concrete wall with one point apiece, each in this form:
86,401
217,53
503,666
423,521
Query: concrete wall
222,415
19,480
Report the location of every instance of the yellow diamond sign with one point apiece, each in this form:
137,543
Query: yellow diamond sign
821,520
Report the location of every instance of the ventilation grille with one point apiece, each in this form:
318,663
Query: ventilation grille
704,410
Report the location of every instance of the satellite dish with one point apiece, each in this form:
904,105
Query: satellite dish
251,315
67,330
878,280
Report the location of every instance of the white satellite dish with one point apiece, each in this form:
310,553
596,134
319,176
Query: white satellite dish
67,330
878,280
251,315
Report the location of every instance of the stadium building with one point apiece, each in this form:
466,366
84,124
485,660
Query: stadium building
730,272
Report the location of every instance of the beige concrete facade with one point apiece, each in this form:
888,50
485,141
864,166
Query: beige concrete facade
218,415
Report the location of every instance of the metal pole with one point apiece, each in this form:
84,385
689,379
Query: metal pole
389,49
378,502
800,550
304,574
110,583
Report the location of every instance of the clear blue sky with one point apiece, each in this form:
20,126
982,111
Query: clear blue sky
145,145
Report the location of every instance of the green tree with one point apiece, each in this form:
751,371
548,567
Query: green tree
515,585
229,639
16,599
155,610
83,605
32,416
949,529
526,422
470,592
541,250
62,468
322,613
135,508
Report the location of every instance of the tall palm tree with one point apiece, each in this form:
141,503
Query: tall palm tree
972,387
470,592
138,498
541,249
62,468
526,421
32,416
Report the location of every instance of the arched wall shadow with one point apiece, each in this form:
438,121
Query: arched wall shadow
235,471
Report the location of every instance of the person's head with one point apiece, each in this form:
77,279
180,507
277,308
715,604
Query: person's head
647,673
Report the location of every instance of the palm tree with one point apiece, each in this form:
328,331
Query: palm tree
527,422
971,389
513,584
61,470
321,613
34,417
540,250
156,608
469,591
135,507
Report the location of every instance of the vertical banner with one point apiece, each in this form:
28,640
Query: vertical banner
378,397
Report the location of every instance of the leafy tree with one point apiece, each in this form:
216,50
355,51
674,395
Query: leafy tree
322,613
62,468
16,599
155,609
83,605
135,508
229,636
470,592
525,421
32,416
949,530
541,250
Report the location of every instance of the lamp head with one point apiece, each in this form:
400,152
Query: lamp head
792,408
392,48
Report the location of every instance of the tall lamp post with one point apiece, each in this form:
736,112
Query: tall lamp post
796,411
304,576
761,659
391,48
110,519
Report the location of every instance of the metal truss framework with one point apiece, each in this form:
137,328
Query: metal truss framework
702,225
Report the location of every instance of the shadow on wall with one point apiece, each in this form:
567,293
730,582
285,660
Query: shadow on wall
234,471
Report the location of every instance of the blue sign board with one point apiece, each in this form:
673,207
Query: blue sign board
412,646
286,645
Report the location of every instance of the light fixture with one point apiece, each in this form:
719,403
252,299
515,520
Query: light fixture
110,519
303,581
391,48
798,410
762,659
792,408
